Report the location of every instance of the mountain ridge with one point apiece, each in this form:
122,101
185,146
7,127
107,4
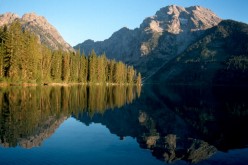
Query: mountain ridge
147,47
47,33
218,57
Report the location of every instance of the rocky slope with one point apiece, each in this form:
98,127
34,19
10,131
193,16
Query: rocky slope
47,34
42,133
158,39
220,56
37,136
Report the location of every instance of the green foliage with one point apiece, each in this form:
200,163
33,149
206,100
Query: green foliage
24,60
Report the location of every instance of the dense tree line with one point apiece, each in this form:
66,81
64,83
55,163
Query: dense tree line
24,60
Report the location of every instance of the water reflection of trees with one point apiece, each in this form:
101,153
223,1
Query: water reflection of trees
28,115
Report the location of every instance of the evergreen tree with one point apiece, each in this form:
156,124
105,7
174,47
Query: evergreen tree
1,62
46,64
2,52
139,79
101,65
12,59
130,74
119,73
65,67
92,71
56,67
82,69
110,73
74,62
32,59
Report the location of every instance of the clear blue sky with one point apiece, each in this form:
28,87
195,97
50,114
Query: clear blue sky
78,20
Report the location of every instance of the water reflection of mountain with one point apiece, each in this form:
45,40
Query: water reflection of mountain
165,146
30,115
181,123
175,123
218,114
156,127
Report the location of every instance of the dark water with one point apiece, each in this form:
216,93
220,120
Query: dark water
124,125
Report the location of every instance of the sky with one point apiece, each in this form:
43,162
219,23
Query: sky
78,20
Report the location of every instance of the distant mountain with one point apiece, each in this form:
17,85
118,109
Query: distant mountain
220,56
47,34
158,39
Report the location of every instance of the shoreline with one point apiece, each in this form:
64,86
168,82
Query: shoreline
5,84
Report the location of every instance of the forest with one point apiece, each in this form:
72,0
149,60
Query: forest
23,59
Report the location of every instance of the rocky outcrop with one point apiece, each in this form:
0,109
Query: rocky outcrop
176,20
47,34
158,39
7,18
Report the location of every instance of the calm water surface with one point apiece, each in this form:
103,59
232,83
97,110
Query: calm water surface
124,125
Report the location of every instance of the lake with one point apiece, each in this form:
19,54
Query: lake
152,125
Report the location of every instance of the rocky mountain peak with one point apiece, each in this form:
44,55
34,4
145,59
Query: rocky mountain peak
171,10
202,18
47,34
175,19
122,32
89,41
8,18
32,17
40,25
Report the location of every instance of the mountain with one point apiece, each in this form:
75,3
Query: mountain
43,132
158,39
219,56
47,34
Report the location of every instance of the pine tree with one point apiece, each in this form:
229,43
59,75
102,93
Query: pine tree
56,67
130,74
92,71
110,74
83,69
1,61
12,59
101,65
46,64
32,59
139,79
119,73
2,52
74,62
65,67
